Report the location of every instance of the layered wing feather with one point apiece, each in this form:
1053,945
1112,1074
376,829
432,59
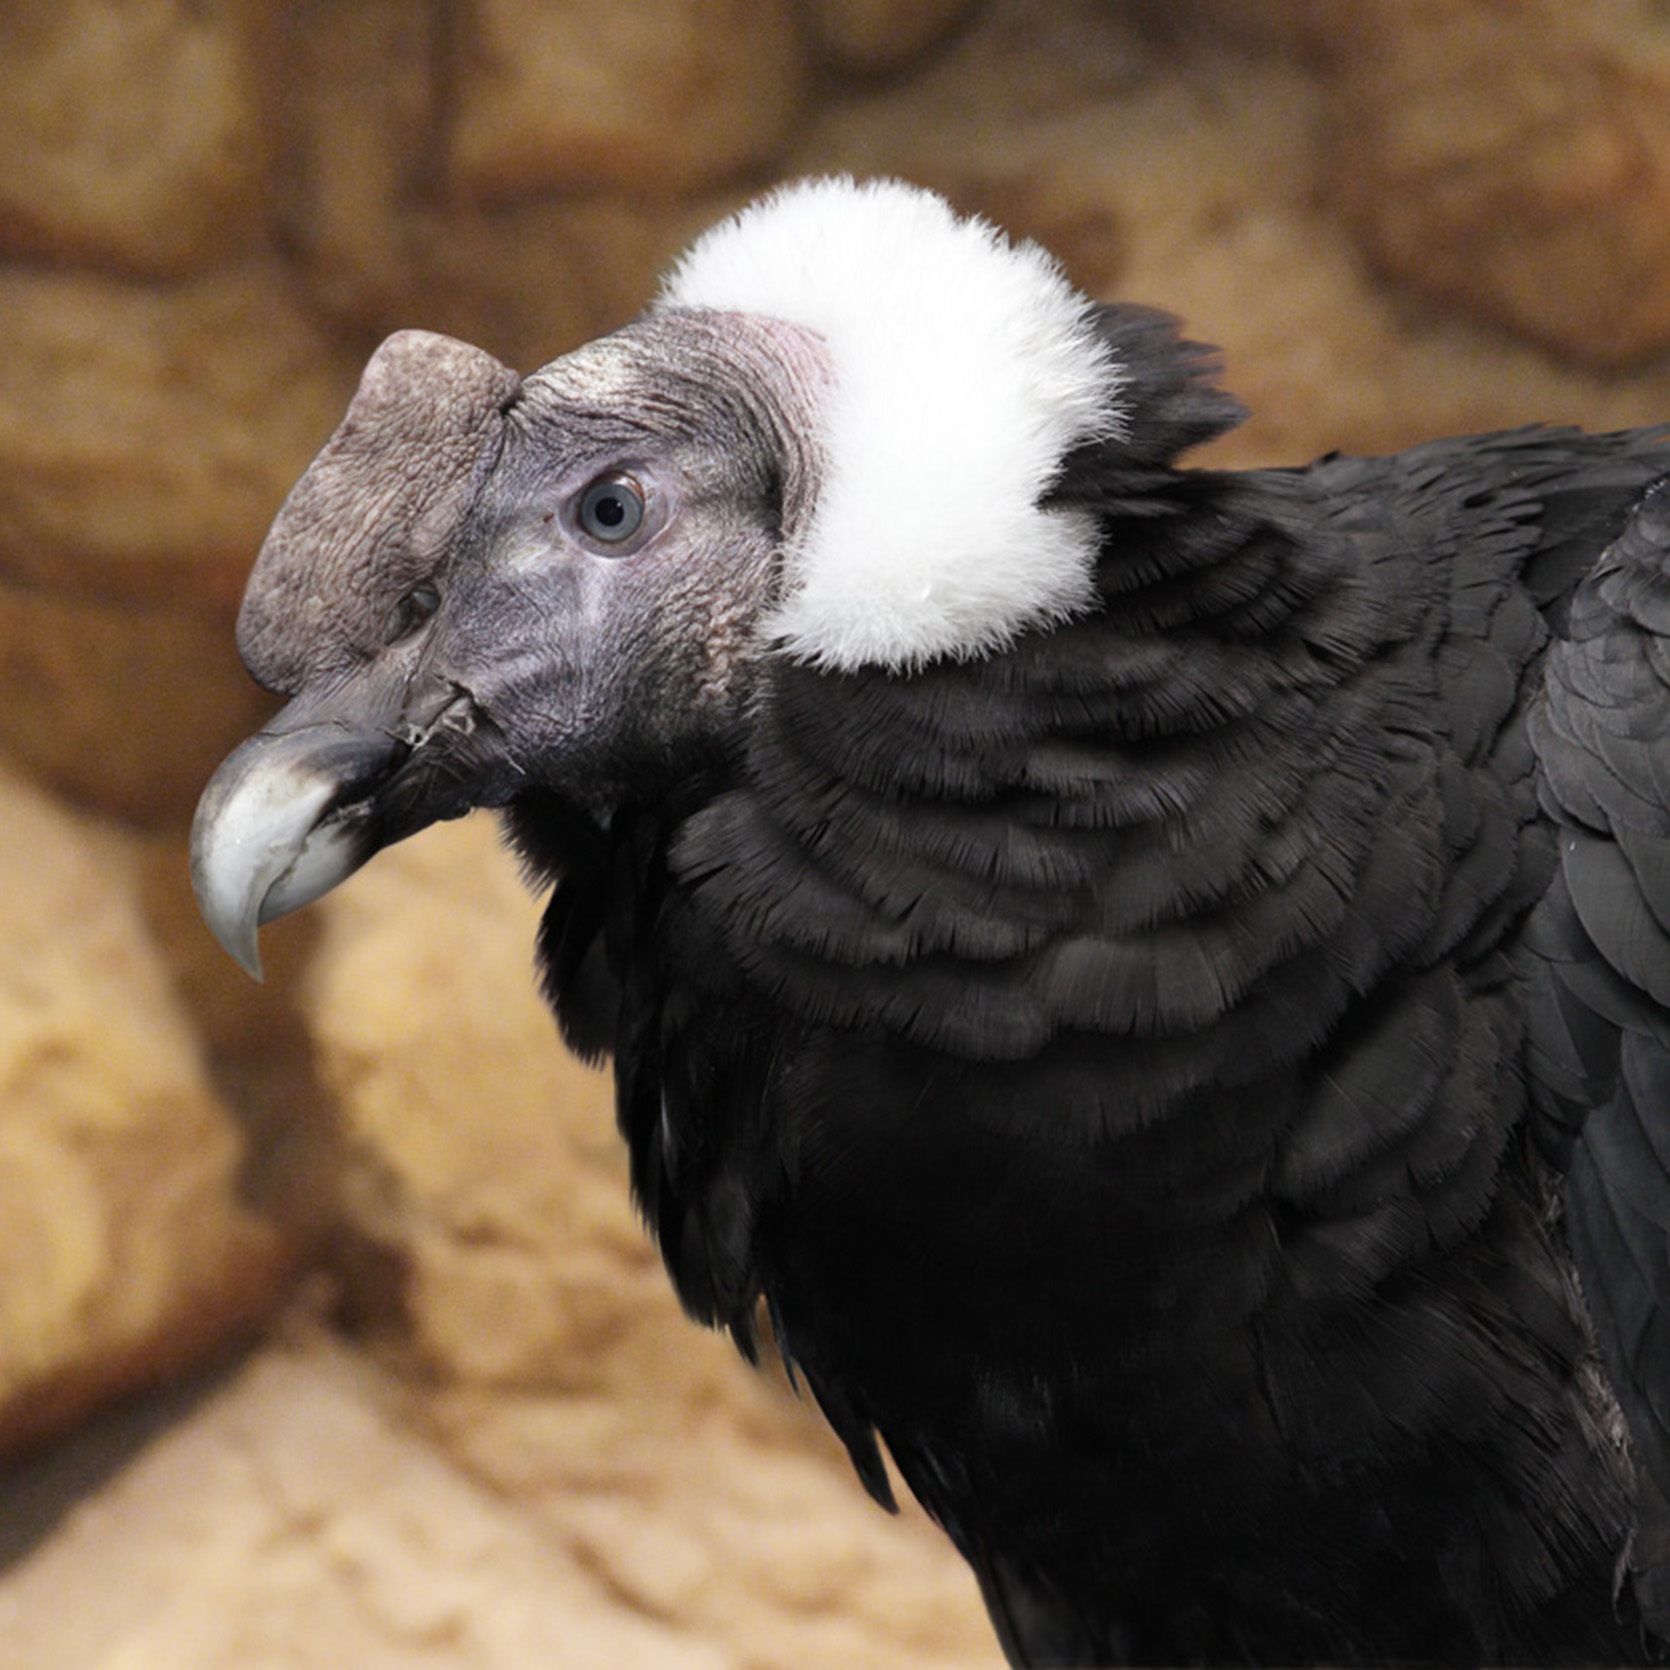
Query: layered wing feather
1602,1021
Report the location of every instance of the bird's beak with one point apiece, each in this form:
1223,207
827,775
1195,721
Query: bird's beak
304,803
288,815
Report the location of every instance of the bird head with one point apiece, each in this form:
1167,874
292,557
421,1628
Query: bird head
831,438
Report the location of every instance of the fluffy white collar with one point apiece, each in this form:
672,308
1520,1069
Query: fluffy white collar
966,368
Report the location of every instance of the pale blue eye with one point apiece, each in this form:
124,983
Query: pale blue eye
611,510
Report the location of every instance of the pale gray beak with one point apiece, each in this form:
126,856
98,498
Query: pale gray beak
288,815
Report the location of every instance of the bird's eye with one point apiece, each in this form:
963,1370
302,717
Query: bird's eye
611,510
410,613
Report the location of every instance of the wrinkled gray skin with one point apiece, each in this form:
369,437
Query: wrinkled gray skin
550,658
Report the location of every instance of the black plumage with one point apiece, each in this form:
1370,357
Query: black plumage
1192,1081
1108,1060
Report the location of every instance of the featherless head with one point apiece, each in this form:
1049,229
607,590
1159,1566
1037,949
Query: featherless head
832,437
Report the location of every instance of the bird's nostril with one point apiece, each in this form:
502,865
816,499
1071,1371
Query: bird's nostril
458,716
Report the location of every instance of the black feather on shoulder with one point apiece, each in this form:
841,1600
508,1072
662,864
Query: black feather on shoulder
1168,391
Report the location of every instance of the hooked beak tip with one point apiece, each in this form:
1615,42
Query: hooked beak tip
271,834
241,942
227,917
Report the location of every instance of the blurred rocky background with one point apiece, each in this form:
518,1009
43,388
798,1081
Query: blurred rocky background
327,1334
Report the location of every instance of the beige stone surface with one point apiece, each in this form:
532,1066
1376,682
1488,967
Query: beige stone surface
475,1156
657,97
867,36
312,1513
126,1252
1323,355
522,279
358,113
122,705
380,247
147,436
1514,160
259,1053
295,1521
703,1494
148,433
134,134
384,244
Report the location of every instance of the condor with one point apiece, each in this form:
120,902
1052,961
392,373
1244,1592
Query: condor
1152,983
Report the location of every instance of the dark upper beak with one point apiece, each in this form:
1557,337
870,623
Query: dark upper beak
304,803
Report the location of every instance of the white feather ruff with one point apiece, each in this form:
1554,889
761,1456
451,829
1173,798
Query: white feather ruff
965,368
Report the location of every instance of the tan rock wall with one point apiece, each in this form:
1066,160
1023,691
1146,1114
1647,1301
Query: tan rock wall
1398,219
135,134
654,97
127,1248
